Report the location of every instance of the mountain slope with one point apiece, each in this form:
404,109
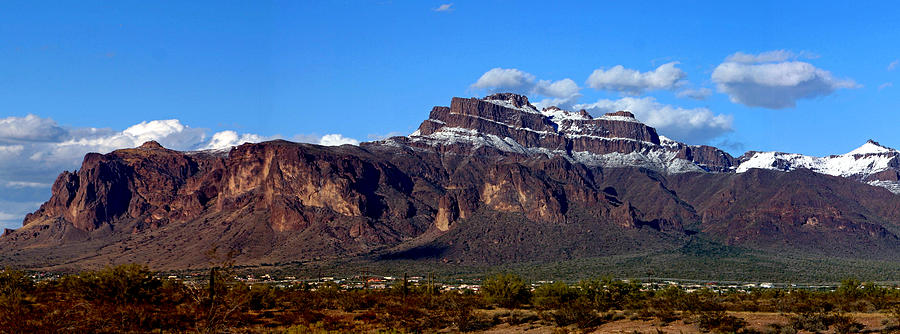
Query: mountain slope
482,182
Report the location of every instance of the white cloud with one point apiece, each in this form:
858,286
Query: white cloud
229,138
564,88
561,92
765,57
337,140
4,216
29,128
13,212
169,133
893,65
769,81
9,151
621,79
697,125
24,184
505,78
444,8
885,85
696,94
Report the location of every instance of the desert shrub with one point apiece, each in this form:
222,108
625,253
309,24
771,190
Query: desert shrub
775,328
222,303
877,296
704,300
15,308
349,301
895,313
506,290
811,321
262,297
578,312
122,298
15,283
843,323
459,311
802,301
850,289
606,293
719,322
554,295
661,308
400,287
122,284
406,317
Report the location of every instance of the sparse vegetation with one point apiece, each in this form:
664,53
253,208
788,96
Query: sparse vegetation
131,298
507,290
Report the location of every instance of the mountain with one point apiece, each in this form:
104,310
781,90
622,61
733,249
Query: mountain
483,182
871,163
508,123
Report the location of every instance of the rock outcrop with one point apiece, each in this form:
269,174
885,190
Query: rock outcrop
509,123
486,181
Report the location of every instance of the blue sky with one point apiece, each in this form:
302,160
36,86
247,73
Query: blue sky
363,69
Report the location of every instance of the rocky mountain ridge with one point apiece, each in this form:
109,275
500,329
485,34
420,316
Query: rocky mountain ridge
508,122
481,182
871,163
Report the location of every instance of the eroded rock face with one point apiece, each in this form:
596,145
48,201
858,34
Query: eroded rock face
532,184
131,183
508,122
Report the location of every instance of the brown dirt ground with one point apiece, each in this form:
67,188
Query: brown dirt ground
755,320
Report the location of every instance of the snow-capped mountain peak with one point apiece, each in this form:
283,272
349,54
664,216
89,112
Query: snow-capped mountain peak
870,147
870,163
507,122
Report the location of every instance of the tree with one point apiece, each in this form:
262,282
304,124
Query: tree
554,295
608,293
506,290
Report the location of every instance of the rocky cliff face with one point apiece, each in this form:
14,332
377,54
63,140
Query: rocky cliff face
148,182
509,123
482,181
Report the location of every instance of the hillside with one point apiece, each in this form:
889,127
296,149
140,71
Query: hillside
483,182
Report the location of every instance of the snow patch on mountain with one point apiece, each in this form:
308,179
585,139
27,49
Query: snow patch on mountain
508,104
846,165
870,147
658,159
655,159
868,159
453,135
557,115
618,118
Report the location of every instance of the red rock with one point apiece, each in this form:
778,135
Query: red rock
279,201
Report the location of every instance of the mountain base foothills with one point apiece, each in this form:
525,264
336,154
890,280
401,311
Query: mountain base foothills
493,216
131,298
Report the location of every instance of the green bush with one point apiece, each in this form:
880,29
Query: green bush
578,312
123,284
506,290
607,293
14,282
554,295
